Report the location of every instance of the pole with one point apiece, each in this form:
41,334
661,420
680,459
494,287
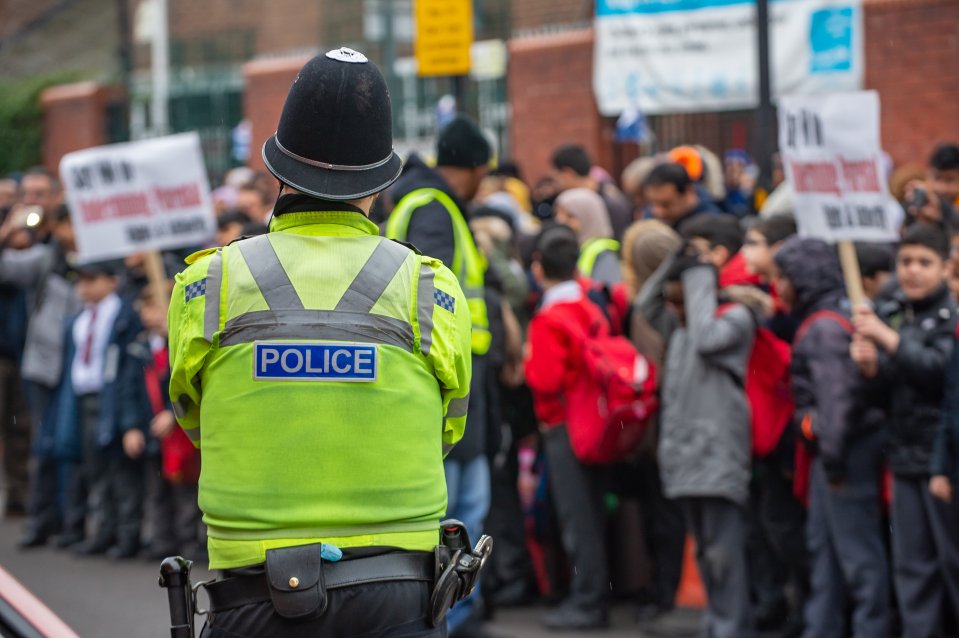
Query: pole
156,275
459,89
160,70
389,45
851,273
764,114
125,53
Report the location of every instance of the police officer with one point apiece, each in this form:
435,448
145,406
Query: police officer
324,373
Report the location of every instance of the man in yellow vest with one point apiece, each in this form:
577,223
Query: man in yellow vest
324,373
431,213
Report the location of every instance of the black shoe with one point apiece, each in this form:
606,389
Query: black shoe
69,540
575,618
32,539
123,551
93,547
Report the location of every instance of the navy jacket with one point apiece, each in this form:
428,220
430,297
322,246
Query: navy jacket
60,428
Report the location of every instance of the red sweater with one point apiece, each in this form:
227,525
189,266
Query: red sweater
553,359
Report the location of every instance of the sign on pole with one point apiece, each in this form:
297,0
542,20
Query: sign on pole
833,161
670,56
138,196
444,34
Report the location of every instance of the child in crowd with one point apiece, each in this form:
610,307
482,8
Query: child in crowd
876,265
105,489
844,526
704,445
553,361
151,432
905,352
718,237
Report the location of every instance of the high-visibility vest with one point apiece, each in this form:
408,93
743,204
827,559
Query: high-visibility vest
469,264
591,251
291,452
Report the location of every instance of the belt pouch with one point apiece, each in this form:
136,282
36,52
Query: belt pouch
295,575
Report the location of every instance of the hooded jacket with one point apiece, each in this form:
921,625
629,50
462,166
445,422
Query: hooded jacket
826,383
705,441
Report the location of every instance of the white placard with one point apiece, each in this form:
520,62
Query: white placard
138,196
833,161
671,56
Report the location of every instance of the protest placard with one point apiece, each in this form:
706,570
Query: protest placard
833,161
832,158
140,196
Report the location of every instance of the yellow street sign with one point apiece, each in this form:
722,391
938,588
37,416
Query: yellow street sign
444,33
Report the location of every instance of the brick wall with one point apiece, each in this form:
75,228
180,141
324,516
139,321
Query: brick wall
551,94
536,14
74,118
912,59
266,83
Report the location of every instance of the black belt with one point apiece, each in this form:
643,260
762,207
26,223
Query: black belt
237,591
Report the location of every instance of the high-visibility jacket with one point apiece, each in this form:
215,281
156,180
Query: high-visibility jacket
324,372
469,264
590,252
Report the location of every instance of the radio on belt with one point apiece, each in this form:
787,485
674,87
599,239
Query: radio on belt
286,361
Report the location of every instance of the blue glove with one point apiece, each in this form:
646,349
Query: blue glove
331,553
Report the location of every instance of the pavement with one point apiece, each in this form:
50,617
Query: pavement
100,598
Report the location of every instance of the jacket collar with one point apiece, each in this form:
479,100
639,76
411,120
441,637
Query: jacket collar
305,215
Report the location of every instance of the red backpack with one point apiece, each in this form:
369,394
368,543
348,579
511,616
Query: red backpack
610,405
767,388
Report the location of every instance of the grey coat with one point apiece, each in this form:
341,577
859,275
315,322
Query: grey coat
39,271
705,440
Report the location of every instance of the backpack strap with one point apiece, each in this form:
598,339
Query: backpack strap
832,315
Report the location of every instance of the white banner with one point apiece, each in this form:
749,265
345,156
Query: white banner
833,161
138,196
670,56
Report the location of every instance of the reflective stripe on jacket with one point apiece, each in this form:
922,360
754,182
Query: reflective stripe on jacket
468,265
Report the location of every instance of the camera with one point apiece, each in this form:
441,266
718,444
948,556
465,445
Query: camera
28,217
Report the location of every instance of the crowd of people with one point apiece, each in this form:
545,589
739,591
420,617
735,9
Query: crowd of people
809,447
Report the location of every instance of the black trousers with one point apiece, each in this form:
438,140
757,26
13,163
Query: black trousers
387,610
578,495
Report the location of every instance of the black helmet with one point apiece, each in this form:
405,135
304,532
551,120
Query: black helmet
335,138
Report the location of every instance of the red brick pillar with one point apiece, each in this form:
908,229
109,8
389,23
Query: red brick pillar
74,118
550,86
265,85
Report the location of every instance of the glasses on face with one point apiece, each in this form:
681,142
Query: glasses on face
752,241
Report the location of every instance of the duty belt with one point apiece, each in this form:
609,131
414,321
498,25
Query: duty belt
236,591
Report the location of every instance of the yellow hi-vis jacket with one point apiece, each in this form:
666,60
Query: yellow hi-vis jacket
590,252
324,372
469,264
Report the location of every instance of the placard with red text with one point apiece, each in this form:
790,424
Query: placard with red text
833,160
138,196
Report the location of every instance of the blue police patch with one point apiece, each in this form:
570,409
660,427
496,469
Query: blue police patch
196,289
444,300
283,361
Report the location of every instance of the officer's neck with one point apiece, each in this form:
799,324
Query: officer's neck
364,204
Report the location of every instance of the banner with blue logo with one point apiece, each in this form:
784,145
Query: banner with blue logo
671,56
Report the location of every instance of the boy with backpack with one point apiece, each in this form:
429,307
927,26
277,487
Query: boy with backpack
843,527
553,361
904,351
704,445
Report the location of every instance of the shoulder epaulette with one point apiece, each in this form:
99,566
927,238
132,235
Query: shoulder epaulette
198,254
